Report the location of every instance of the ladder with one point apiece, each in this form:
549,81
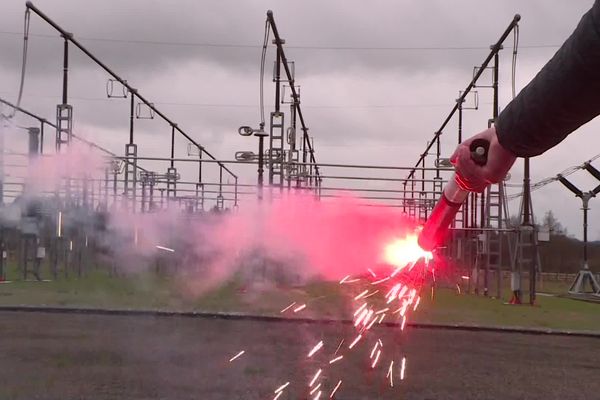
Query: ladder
64,125
525,250
276,154
171,183
130,175
494,210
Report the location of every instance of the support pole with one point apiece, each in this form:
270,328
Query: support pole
65,70
527,224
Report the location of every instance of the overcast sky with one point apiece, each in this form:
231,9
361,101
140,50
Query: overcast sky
377,78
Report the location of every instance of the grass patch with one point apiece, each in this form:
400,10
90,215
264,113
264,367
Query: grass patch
323,300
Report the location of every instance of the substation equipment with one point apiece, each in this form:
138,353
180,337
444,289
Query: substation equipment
483,245
585,277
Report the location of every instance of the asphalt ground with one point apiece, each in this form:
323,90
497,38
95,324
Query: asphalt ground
73,356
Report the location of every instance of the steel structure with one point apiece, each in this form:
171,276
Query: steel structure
584,275
64,115
487,211
290,161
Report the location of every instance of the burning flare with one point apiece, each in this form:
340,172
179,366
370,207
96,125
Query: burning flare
403,252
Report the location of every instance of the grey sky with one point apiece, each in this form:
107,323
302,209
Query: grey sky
387,103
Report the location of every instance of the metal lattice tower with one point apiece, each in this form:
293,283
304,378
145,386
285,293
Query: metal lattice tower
64,125
130,174
276,150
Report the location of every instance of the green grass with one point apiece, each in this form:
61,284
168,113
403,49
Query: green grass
550,312
323,299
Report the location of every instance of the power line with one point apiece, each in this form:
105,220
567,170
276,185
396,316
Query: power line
547,181
308,47
233,105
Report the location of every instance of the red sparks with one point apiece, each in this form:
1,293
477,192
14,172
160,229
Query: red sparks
362,294
280,388
358,310
380,281
314,379
277,395
335,389
315,349
390,373
402,368
376,358
238,355
315,389
355,341
338,358
402,285
361,316
417,303
300,308
371,324
288,307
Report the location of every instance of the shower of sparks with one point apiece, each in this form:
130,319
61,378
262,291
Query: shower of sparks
165,249
300,308
288,307
238,355
315,349
377,294
335,389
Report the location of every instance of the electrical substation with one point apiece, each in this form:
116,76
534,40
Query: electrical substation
47,233
216,200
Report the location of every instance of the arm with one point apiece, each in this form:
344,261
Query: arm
564,95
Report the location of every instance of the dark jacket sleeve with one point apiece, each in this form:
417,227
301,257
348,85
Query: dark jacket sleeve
564,95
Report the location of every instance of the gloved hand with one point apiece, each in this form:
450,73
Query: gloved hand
475,178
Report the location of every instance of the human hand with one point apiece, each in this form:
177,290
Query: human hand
476,178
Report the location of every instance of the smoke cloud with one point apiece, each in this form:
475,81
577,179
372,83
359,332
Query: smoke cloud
287,238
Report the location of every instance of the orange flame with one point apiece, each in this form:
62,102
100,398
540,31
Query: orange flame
403,251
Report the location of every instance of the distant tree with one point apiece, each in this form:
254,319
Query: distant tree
550,223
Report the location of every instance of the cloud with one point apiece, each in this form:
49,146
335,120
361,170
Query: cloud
362,106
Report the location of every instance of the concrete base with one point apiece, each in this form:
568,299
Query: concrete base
579,285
